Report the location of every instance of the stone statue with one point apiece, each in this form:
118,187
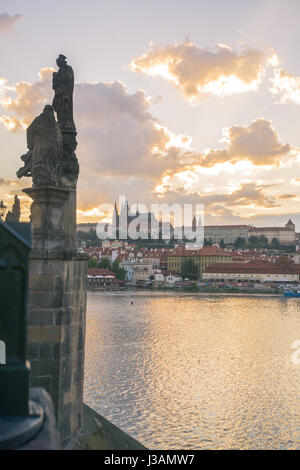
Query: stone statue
51,158
45,150
15,213
63,86
16,209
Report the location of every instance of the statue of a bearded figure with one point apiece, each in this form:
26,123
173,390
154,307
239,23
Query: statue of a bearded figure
44,141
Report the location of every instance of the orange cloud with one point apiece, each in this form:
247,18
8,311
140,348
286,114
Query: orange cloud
7,22
13,124
119,138
258,143
287,86
199,73
29,101
124,149
247,195
287,196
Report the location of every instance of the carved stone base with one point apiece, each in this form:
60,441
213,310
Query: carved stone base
53,218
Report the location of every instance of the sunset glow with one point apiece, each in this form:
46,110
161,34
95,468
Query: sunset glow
215,123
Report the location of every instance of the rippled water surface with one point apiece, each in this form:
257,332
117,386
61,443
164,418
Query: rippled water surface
195,371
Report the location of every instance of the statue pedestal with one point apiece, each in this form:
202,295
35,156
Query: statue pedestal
56,333
53,218
57,305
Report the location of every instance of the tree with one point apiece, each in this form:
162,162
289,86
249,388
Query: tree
104,263
275,243
118,270
253,240
82,235
258,242
222,244
263,241
240,242
92,235
89,237
93,263
189,269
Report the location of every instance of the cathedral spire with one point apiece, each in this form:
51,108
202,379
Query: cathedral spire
116,209
115,216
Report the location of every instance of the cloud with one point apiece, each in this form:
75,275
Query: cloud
10,182
12,124
250,194
25,100
285,85
246,195
275,219
118,135
199,73
287,196
258,143
237,206
119,139
124,149
7,22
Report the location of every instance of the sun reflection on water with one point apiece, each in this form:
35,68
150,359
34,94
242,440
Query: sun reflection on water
191,371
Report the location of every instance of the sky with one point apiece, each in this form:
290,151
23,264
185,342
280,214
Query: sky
176,101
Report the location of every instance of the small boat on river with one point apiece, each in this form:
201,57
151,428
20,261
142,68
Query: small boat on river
291,294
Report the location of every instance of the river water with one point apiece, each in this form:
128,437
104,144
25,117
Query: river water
195,371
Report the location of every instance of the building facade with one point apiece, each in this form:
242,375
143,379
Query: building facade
128,265
102,278
202,258
285,235
141,272
284,270
86,227
227,233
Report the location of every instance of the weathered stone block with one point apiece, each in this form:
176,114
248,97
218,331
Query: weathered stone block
45,367
33,351
42,334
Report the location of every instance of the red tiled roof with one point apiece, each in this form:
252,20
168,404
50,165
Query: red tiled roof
255,267
270,229
205,251
213,251
100,272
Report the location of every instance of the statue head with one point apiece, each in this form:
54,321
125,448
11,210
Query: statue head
48,109
61,60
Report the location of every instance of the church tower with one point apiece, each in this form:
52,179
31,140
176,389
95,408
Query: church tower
115,216
290,225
